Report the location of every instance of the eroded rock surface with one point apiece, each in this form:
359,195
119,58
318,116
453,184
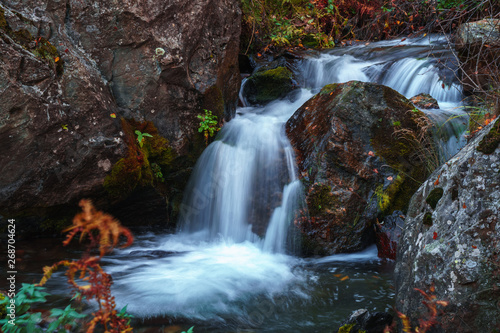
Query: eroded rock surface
451,241
67,66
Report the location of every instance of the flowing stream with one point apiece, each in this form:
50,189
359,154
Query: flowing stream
231,265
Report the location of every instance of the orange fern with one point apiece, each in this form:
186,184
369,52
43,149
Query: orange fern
86,276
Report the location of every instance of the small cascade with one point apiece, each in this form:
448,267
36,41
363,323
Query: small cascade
411,70
244,186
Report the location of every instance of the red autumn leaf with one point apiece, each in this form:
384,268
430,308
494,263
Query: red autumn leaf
371,153
436,183
464,206
390,178
435,235
67,50
375,170
474,247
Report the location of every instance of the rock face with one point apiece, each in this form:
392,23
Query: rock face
359,158
478,46
68,65
451,241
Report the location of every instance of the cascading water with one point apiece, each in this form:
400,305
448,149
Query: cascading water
228,264
245,179
422,66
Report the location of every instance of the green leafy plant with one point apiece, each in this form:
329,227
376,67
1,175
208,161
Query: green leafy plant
190,330
141,136
28,321
157,172
208,124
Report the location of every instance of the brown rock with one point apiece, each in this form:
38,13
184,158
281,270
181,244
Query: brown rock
149,61
358,157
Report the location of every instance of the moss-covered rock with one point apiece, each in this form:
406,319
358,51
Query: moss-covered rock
268,85
143,164
491,141
360,156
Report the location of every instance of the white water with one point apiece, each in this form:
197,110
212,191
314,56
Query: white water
230,253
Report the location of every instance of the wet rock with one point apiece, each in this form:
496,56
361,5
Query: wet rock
458,254
364,321
66,67
268,85
388,234
358,158
425,101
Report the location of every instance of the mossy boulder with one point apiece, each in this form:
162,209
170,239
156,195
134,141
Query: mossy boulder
360,159
268,85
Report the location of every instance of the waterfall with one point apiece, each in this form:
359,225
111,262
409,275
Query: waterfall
229,264
423,66
244,186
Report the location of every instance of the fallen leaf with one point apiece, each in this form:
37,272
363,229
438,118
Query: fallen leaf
56,59
375,170
464,206
113,115
337,275
390,178
436,183
435,235
474,246
344,278
371,153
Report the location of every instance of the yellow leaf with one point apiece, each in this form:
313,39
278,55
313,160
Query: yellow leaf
56,59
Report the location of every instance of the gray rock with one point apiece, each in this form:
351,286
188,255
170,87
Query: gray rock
457,250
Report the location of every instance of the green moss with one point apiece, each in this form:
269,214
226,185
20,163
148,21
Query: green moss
434,197
394,197
214,101
136,169
22,36
427,219
404,153
329,88
346,328
320,199
43,49
3,308
270,84
3,22
491,141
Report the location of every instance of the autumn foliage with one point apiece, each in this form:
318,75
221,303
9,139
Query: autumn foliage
86,276
429,320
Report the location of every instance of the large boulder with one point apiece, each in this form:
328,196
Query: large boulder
451,242
362,151
68,67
